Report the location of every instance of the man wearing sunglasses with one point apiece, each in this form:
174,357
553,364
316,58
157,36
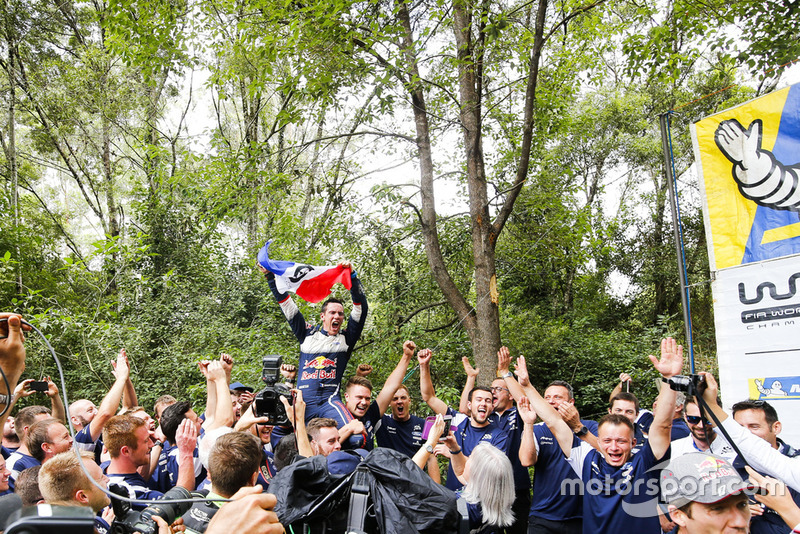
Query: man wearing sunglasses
702,436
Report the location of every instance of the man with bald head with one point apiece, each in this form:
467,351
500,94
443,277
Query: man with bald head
89,420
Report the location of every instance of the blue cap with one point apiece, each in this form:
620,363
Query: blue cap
239,385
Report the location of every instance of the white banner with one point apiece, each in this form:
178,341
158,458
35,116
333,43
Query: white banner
749,166
757,316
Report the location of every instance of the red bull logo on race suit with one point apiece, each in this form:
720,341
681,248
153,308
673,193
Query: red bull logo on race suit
323,368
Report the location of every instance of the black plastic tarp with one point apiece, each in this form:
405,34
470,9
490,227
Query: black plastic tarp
404,498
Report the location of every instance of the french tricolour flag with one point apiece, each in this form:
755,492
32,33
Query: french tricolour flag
311,283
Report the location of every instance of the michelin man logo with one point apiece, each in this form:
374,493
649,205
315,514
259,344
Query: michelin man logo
774,391
760,177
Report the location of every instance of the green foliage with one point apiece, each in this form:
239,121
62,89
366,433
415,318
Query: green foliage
131,235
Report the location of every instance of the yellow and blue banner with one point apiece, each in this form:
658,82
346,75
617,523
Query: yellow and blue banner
748,162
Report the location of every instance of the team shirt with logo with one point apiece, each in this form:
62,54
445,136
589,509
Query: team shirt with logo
402,436
618,499
323,358
551,470
468,437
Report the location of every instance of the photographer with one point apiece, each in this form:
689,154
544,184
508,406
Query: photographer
757,452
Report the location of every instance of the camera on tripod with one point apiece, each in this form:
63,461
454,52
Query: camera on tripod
691,385
127,521
268,400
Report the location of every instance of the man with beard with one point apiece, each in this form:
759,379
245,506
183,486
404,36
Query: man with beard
702,437
761,419
359,432
402,431
479,427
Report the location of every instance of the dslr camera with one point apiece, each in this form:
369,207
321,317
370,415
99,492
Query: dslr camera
691,385
127,521
268,400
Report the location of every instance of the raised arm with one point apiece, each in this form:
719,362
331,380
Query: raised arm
514,386
56,404
222,407
297,413
424,452
211,394
547,413
110,402
186,440
472,375
395,379
527,447
623,377
12,350
669,365
426,384
129,398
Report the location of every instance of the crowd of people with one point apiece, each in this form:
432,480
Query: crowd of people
666,470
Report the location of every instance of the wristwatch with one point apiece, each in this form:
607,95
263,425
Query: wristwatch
582,431
508,374
429,449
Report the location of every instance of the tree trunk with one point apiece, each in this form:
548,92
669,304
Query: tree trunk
481,322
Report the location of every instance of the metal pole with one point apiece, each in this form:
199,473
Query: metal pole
666,143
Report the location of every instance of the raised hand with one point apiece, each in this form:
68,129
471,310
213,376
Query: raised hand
503,360
215,371
186,437
521,370
226,360
408,349
52,389
364,369
471,371
203,365
289,371
570,415
120,368
23,389
424,356
525,411
671,361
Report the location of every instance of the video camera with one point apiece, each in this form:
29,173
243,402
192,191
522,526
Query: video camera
127,521
268,400
691,385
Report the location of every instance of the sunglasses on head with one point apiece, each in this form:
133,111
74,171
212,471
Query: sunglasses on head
695,419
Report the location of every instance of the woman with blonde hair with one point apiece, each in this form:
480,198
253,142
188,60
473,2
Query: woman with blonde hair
489,489
489,480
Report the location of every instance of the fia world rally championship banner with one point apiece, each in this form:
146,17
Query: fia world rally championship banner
749,170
